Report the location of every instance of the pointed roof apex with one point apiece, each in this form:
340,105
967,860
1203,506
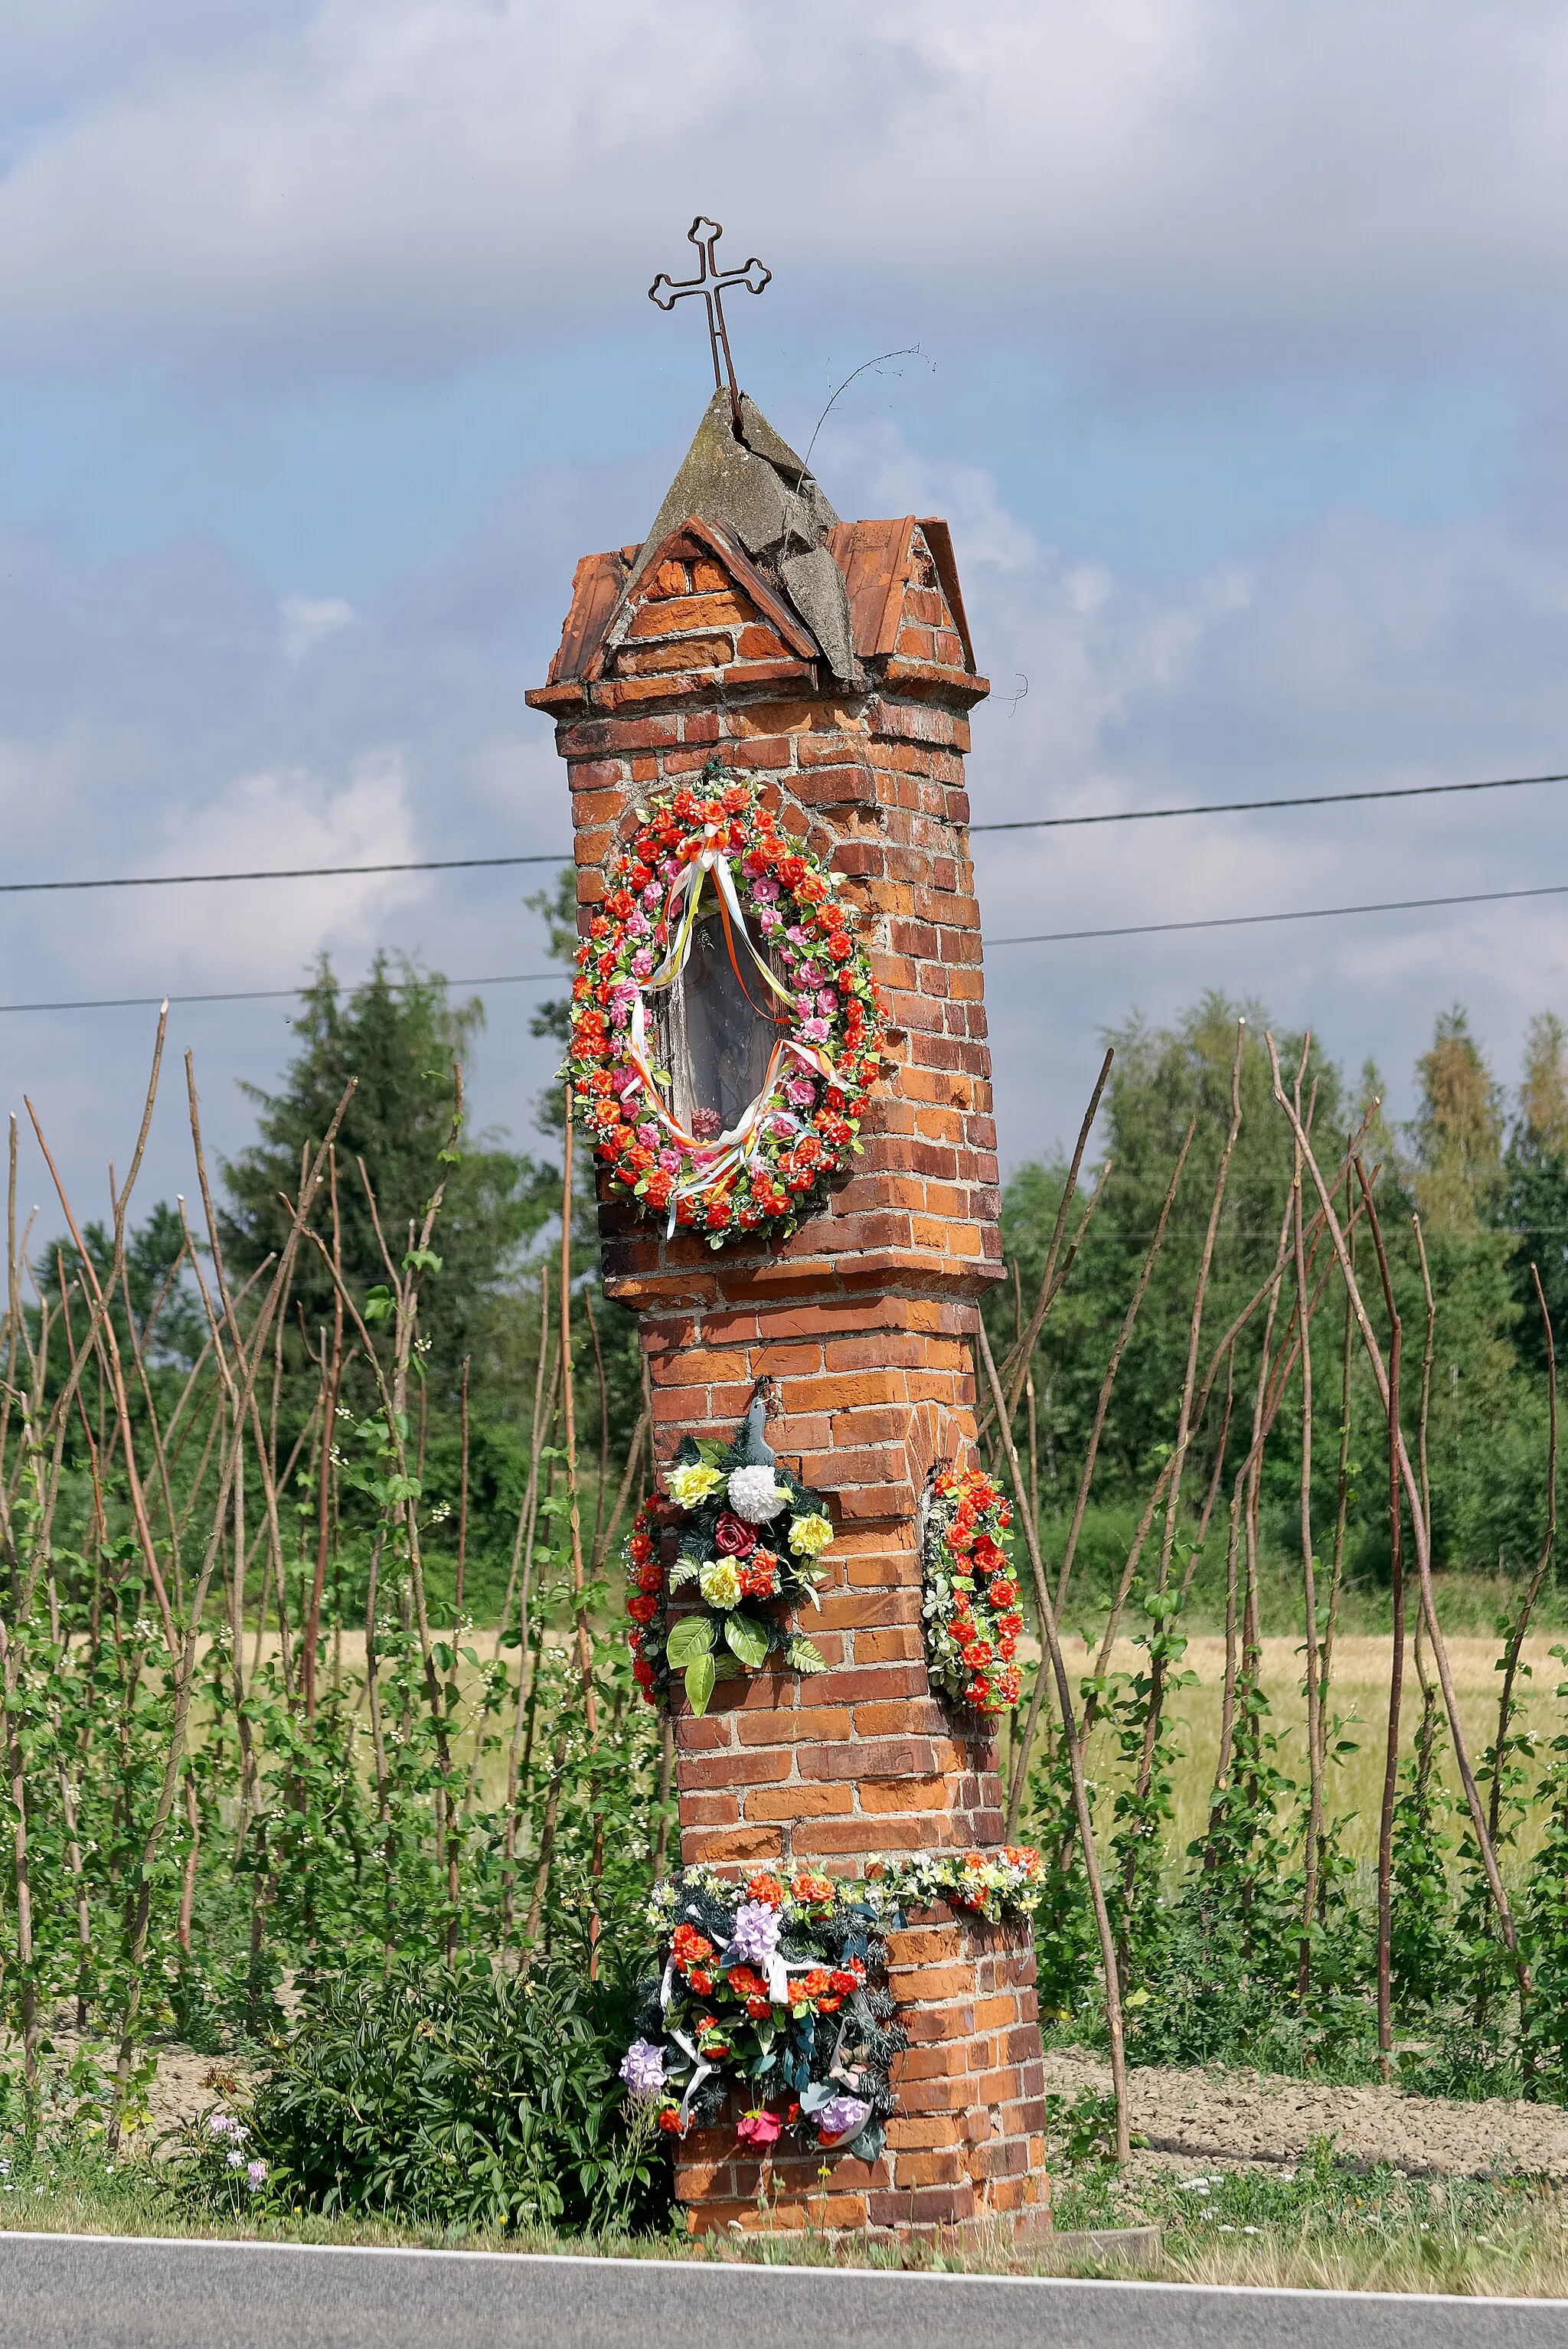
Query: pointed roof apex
755,488
751,485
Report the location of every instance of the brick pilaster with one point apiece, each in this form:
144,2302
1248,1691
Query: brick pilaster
863,1318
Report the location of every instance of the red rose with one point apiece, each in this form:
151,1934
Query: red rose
792,870
642,1608
643,1674
1003,1591
650,1574
840,946
733,1538
621,904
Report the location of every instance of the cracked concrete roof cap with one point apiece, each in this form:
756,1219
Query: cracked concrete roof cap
757,490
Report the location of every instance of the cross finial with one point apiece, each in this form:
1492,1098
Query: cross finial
712,283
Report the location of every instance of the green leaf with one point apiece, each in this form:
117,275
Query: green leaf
378,1303
803,1655
700,1677
713,1451
421,1260
748,1640
691,1637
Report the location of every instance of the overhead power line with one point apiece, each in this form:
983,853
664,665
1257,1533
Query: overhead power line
277,994
280,873
563,856
1253,807
1296,914
1033,938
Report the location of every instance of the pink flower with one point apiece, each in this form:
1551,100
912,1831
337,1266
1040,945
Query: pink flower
767,921
620,1011
815,1032
627,1081
757,2129
805,1005
782,1123
765,891
637,925
668,867
648,1134
670,1160
641,964
826,999
801,1092
796,935
651,896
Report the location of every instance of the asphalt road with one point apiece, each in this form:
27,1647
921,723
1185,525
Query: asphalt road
76,2291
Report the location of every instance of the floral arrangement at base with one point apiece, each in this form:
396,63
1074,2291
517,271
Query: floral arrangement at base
797,961
769,1989
971,1604
1004,1885
748,1534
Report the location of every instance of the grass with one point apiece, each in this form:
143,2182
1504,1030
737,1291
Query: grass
1326,2225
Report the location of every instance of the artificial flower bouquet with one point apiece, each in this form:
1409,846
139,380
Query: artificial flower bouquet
770,1989
747,1535
971,1604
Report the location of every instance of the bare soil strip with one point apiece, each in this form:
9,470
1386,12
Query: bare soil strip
1192,2118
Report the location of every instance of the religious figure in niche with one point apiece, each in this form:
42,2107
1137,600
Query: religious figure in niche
713,1038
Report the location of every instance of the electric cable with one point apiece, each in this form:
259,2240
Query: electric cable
563,856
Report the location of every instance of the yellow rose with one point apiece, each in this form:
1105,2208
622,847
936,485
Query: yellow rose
719,1584
690,1485
810,1535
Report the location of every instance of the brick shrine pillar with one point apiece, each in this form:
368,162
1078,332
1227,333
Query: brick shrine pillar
843,677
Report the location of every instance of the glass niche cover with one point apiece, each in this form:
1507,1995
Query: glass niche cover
712,1037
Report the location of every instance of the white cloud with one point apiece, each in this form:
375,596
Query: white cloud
308,621
433,177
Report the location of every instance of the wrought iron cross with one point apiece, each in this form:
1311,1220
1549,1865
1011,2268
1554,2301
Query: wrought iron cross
712,283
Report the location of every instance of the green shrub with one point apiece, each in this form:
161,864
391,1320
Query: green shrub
463,2099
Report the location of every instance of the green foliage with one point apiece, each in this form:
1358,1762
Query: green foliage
400,1038
466,2099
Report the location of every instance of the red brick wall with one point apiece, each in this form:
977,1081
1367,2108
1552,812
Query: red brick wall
863,1318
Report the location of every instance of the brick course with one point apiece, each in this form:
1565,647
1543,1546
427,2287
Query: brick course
862,1321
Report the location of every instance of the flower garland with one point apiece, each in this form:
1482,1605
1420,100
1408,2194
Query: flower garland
768,1986
719,842
971,1605
747,1533
1004,1884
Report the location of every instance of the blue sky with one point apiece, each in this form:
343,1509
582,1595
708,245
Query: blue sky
1240,375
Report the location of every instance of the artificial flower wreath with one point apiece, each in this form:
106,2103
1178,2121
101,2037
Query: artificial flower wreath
971,1604
746,1533
717,842
1004,1884
772,1987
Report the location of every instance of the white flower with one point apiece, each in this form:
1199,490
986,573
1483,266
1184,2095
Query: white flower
756,1494
236,2161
